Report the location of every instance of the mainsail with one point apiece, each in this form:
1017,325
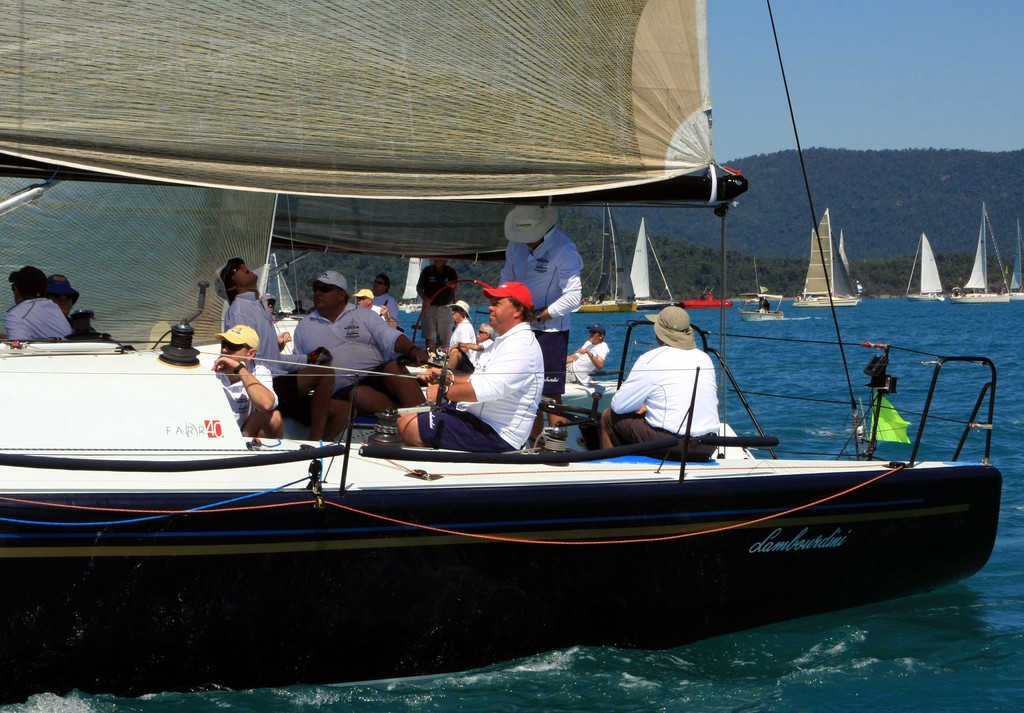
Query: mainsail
411,278
404,99
930,282
640,273
826,268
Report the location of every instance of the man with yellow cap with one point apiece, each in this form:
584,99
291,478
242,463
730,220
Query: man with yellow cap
248,386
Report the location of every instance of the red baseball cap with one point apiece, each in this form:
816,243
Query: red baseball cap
516,290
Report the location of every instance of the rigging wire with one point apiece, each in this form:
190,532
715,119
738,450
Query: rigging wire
810,205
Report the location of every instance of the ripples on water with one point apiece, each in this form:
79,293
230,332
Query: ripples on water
960,648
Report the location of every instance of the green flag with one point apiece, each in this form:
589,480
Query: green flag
891,426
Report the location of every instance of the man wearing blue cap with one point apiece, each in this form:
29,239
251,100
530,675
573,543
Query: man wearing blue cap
581,364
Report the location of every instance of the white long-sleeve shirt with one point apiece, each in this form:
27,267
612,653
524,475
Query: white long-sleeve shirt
662,379
552,273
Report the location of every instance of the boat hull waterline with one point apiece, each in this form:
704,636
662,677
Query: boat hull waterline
401,580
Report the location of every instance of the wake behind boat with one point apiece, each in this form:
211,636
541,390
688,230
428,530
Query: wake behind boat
147,543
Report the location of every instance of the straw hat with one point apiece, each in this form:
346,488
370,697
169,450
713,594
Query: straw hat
529,223
672,325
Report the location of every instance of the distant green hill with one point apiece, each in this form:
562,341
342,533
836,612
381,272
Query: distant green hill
881,200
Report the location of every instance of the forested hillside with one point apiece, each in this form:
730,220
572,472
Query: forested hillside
881,200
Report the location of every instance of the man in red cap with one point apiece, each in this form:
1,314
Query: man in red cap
492,409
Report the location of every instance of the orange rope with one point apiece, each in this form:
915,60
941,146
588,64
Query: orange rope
519,540
458,533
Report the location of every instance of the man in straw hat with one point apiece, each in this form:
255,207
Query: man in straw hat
464,334
654,401
493,409
546,260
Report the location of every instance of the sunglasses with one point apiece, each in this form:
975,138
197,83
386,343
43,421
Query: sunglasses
324,288
231,346
56,296
379,282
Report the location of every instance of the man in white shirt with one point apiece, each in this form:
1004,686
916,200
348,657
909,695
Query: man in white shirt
33,316
248,386
484,341
654,401
492,409
461,336
546,260
236,283
581,364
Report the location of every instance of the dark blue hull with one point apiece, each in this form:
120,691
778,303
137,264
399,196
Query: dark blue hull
400,583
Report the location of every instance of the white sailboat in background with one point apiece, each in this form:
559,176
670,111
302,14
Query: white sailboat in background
640,274
931,286
614,289
1016,286
410,301
976,291
827,271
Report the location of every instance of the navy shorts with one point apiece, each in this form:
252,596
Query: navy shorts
374,381
459,431
555,347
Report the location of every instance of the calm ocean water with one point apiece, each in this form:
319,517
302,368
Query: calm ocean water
960,648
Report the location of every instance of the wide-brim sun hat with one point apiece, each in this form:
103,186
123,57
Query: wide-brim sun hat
672,325
460,304
60,285
529,223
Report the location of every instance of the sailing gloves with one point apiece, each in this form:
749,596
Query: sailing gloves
319,357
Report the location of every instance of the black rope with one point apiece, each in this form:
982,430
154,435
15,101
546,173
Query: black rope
810,204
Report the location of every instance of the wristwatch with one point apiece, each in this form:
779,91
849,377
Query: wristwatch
238,368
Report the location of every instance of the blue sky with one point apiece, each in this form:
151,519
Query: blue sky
867,74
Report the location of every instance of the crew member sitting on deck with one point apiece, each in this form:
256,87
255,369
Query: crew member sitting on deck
248,386
654,401
492,409
33,316
581,364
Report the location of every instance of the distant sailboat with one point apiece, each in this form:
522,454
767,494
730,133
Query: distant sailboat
640,275
1016,286
754,298
976,291
827,270
410,301
931,286
614,290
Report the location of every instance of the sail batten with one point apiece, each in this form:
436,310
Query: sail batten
506,98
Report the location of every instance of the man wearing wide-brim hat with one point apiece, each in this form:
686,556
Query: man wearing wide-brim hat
654,401
546,260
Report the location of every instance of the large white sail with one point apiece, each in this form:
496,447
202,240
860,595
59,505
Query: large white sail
930,282
411,278
979,273
1015,279
639,273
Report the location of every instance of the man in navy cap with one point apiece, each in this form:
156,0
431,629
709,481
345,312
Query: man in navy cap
582,363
